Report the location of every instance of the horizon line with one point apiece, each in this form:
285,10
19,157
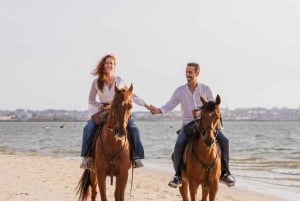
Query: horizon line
274,107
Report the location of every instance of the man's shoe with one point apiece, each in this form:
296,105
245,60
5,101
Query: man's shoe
138,163
227,179
176,181
86,163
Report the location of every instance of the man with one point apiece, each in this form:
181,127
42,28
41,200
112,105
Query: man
188,96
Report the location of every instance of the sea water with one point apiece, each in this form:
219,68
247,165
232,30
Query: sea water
264,155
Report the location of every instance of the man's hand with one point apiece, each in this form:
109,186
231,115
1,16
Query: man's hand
196,113
154,110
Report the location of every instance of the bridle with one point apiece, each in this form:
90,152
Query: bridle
208,141
204,131
116,124
116,131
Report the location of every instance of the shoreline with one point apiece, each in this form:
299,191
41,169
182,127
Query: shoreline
33,178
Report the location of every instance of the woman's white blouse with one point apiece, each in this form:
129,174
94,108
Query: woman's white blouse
107,95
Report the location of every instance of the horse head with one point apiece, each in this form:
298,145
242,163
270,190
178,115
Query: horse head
210,120
121,109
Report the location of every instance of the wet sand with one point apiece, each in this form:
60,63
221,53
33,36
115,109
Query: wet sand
35,178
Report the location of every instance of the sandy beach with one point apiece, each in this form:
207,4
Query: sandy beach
35,178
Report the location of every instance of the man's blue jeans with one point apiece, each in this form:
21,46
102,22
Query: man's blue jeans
90,128
181,143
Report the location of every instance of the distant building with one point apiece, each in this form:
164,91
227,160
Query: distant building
22,115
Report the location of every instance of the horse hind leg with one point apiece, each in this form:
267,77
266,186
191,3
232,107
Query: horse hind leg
94,186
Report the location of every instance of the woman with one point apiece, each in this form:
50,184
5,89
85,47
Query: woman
103,86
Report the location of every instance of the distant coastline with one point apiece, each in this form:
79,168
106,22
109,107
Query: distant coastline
242,114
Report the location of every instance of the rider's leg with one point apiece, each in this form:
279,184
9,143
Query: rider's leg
136,143
177,157
224,145
87,137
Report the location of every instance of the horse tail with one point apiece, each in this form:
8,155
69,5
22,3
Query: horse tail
83,185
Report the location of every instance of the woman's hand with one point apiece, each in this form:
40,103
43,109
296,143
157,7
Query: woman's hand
105,106
147,106
154,110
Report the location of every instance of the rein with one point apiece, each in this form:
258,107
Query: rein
111,159
207,167
202,132
115,129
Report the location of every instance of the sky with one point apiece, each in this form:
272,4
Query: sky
248,51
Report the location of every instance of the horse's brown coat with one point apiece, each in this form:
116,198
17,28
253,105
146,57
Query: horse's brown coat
203,152
112,153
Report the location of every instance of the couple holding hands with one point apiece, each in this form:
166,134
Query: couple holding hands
187,95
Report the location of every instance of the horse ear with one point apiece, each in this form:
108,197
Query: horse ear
218,100
202,100
131,87
116,88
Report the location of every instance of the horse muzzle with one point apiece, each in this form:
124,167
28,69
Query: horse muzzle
120,131
210,136
209,141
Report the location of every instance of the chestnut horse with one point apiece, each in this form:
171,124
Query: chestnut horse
112,153
202,155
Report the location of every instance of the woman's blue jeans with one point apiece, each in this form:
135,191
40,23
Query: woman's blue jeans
87,137
90,128
136,140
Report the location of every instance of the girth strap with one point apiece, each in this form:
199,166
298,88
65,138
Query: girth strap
207,167
111,160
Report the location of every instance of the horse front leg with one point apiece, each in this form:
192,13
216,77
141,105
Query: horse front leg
204,193
93,179
121,182
193,187
213,190
183,189
102,185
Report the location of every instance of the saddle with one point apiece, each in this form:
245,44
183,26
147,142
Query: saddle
100,116
99,119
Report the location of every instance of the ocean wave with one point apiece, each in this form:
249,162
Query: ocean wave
287,171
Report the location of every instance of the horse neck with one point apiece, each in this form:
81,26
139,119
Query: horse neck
108,134
110,121
204,152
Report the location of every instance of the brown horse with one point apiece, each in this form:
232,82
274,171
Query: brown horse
112,153
202,156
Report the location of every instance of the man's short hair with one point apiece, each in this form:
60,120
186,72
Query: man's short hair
195,65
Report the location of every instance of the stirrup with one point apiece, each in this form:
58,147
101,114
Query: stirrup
86,163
